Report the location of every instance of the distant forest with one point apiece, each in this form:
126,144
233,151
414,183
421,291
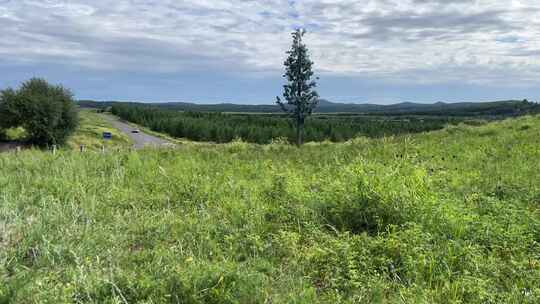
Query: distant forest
263,128
496,108
335,122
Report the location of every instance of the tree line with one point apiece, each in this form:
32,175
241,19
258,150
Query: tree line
264,128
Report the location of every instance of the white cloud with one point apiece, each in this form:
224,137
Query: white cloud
482,41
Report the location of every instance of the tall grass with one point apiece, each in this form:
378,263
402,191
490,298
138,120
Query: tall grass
443,217
90,133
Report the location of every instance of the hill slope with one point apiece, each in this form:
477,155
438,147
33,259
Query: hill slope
443,217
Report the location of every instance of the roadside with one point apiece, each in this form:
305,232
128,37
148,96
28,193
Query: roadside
173,140
90,133
12,146
140,138
14,139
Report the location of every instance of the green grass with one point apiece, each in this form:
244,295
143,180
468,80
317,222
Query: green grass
13,134
90,133
444,217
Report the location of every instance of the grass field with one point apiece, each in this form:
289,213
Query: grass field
450,216
90,133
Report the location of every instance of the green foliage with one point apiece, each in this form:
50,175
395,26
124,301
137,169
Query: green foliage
15,134
442,217
6,118
265,128
299,91
46,112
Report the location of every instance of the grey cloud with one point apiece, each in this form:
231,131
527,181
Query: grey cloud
489,20
524,53
448,26
444,2
251,36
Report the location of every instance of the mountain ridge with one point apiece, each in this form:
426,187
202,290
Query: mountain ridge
505,107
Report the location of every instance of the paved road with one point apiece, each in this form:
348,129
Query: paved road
140,139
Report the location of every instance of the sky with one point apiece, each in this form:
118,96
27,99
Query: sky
213,51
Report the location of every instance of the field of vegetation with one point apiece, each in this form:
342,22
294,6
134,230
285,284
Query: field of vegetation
265,128
449,216
90,133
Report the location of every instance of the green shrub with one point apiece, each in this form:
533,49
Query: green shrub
46,112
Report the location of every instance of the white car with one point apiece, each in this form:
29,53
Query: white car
135,131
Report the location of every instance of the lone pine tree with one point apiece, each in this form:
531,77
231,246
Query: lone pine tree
299,93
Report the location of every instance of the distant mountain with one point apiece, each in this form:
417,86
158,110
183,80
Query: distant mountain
508,107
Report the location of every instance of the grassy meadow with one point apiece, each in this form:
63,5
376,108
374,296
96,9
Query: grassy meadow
449,216
90,133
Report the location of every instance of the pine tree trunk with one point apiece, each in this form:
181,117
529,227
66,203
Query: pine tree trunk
299,132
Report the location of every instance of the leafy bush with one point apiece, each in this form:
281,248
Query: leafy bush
5,116
46,112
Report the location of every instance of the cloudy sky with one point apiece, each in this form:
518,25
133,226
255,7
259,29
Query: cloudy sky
206,51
